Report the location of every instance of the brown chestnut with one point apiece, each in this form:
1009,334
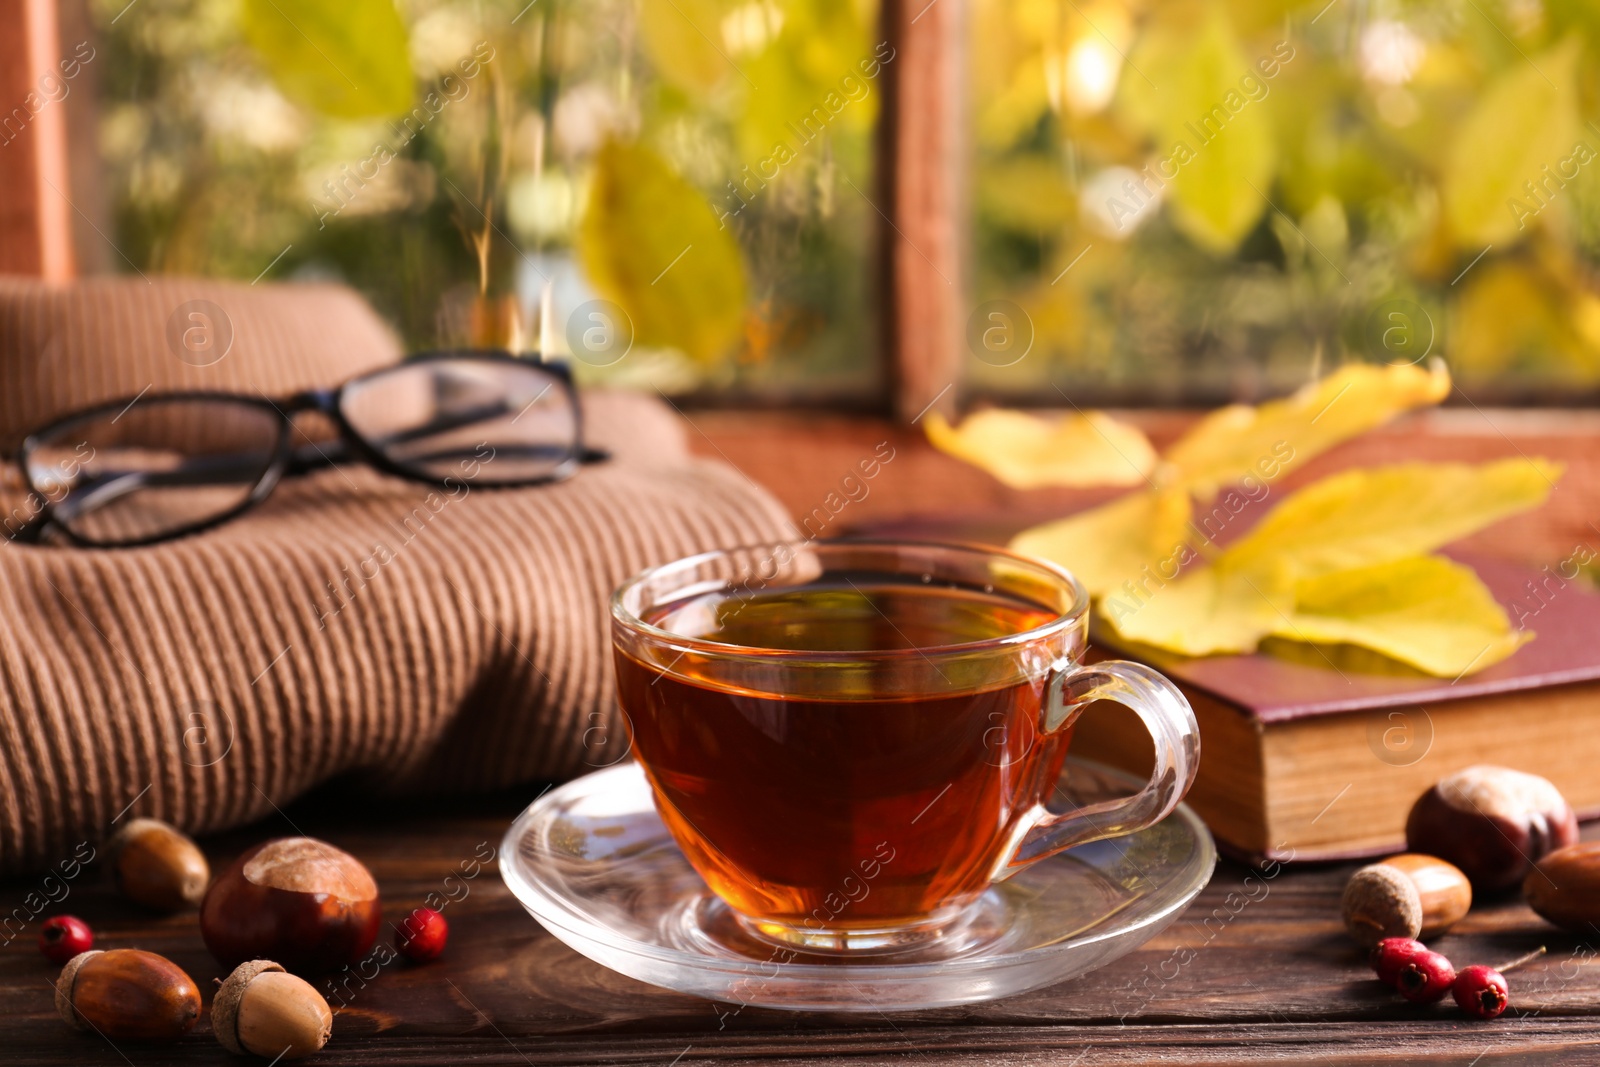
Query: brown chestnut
263,1010
1492,822
297,900
127,994
156,865
1443,891
1564,887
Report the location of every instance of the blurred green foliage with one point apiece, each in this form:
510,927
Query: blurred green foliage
448,157
1191,200
1246,192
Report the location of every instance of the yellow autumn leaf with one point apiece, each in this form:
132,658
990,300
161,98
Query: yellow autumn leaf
1114,543
1430,612
680,38
1512,311
1525,121
1314,570
1368,516
1205,612
1026,452
815,83
1012,108
1217,141
650,241
1237,443
348,60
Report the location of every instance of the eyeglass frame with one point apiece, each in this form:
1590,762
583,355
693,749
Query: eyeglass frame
326,402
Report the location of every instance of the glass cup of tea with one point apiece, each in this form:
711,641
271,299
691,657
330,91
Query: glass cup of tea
851,741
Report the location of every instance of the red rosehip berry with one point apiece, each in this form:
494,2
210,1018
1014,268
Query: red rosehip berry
1391,955
1481,991
1425,978
421,936
63,937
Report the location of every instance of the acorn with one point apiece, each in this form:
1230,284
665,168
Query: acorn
1564,887
1381,902
1443,890
1492,822
127,994
299,901
156,865
264,1010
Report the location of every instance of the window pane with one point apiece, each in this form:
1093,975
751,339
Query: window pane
736,235
1191,202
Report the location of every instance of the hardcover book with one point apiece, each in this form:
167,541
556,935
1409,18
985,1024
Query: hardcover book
1316,752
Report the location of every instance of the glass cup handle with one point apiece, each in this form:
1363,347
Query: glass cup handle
1164,711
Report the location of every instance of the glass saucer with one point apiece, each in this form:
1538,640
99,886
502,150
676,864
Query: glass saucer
593,863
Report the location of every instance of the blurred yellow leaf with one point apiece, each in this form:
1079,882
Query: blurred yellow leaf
1505,314
1205,612
1430,612
1026,452
681,39
1239,442
1526,120
650,242
819,76
1514,314
1116,542
1013,109
1337,562
1368,516
349,60
1191,101
829,37
1009,94
1251,16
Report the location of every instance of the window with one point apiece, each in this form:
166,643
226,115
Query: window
1158,202
731,145
1182,202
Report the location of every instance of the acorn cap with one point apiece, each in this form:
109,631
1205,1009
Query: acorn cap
64,986
225,1005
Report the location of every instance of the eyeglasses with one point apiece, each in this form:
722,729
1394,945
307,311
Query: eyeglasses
152,468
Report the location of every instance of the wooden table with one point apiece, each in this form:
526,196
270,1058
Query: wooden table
1251,973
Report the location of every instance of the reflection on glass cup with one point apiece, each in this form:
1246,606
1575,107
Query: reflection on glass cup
851,741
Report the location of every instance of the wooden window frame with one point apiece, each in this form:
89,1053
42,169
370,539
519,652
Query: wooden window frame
36,214
920,195
922,163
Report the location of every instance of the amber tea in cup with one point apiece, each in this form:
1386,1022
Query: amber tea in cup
852,741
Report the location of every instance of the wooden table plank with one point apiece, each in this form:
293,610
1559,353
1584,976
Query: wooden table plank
1257,970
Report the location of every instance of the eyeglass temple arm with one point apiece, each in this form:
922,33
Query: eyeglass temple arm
102,489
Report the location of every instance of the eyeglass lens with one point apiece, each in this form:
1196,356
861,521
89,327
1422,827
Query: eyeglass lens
155,468
494,422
